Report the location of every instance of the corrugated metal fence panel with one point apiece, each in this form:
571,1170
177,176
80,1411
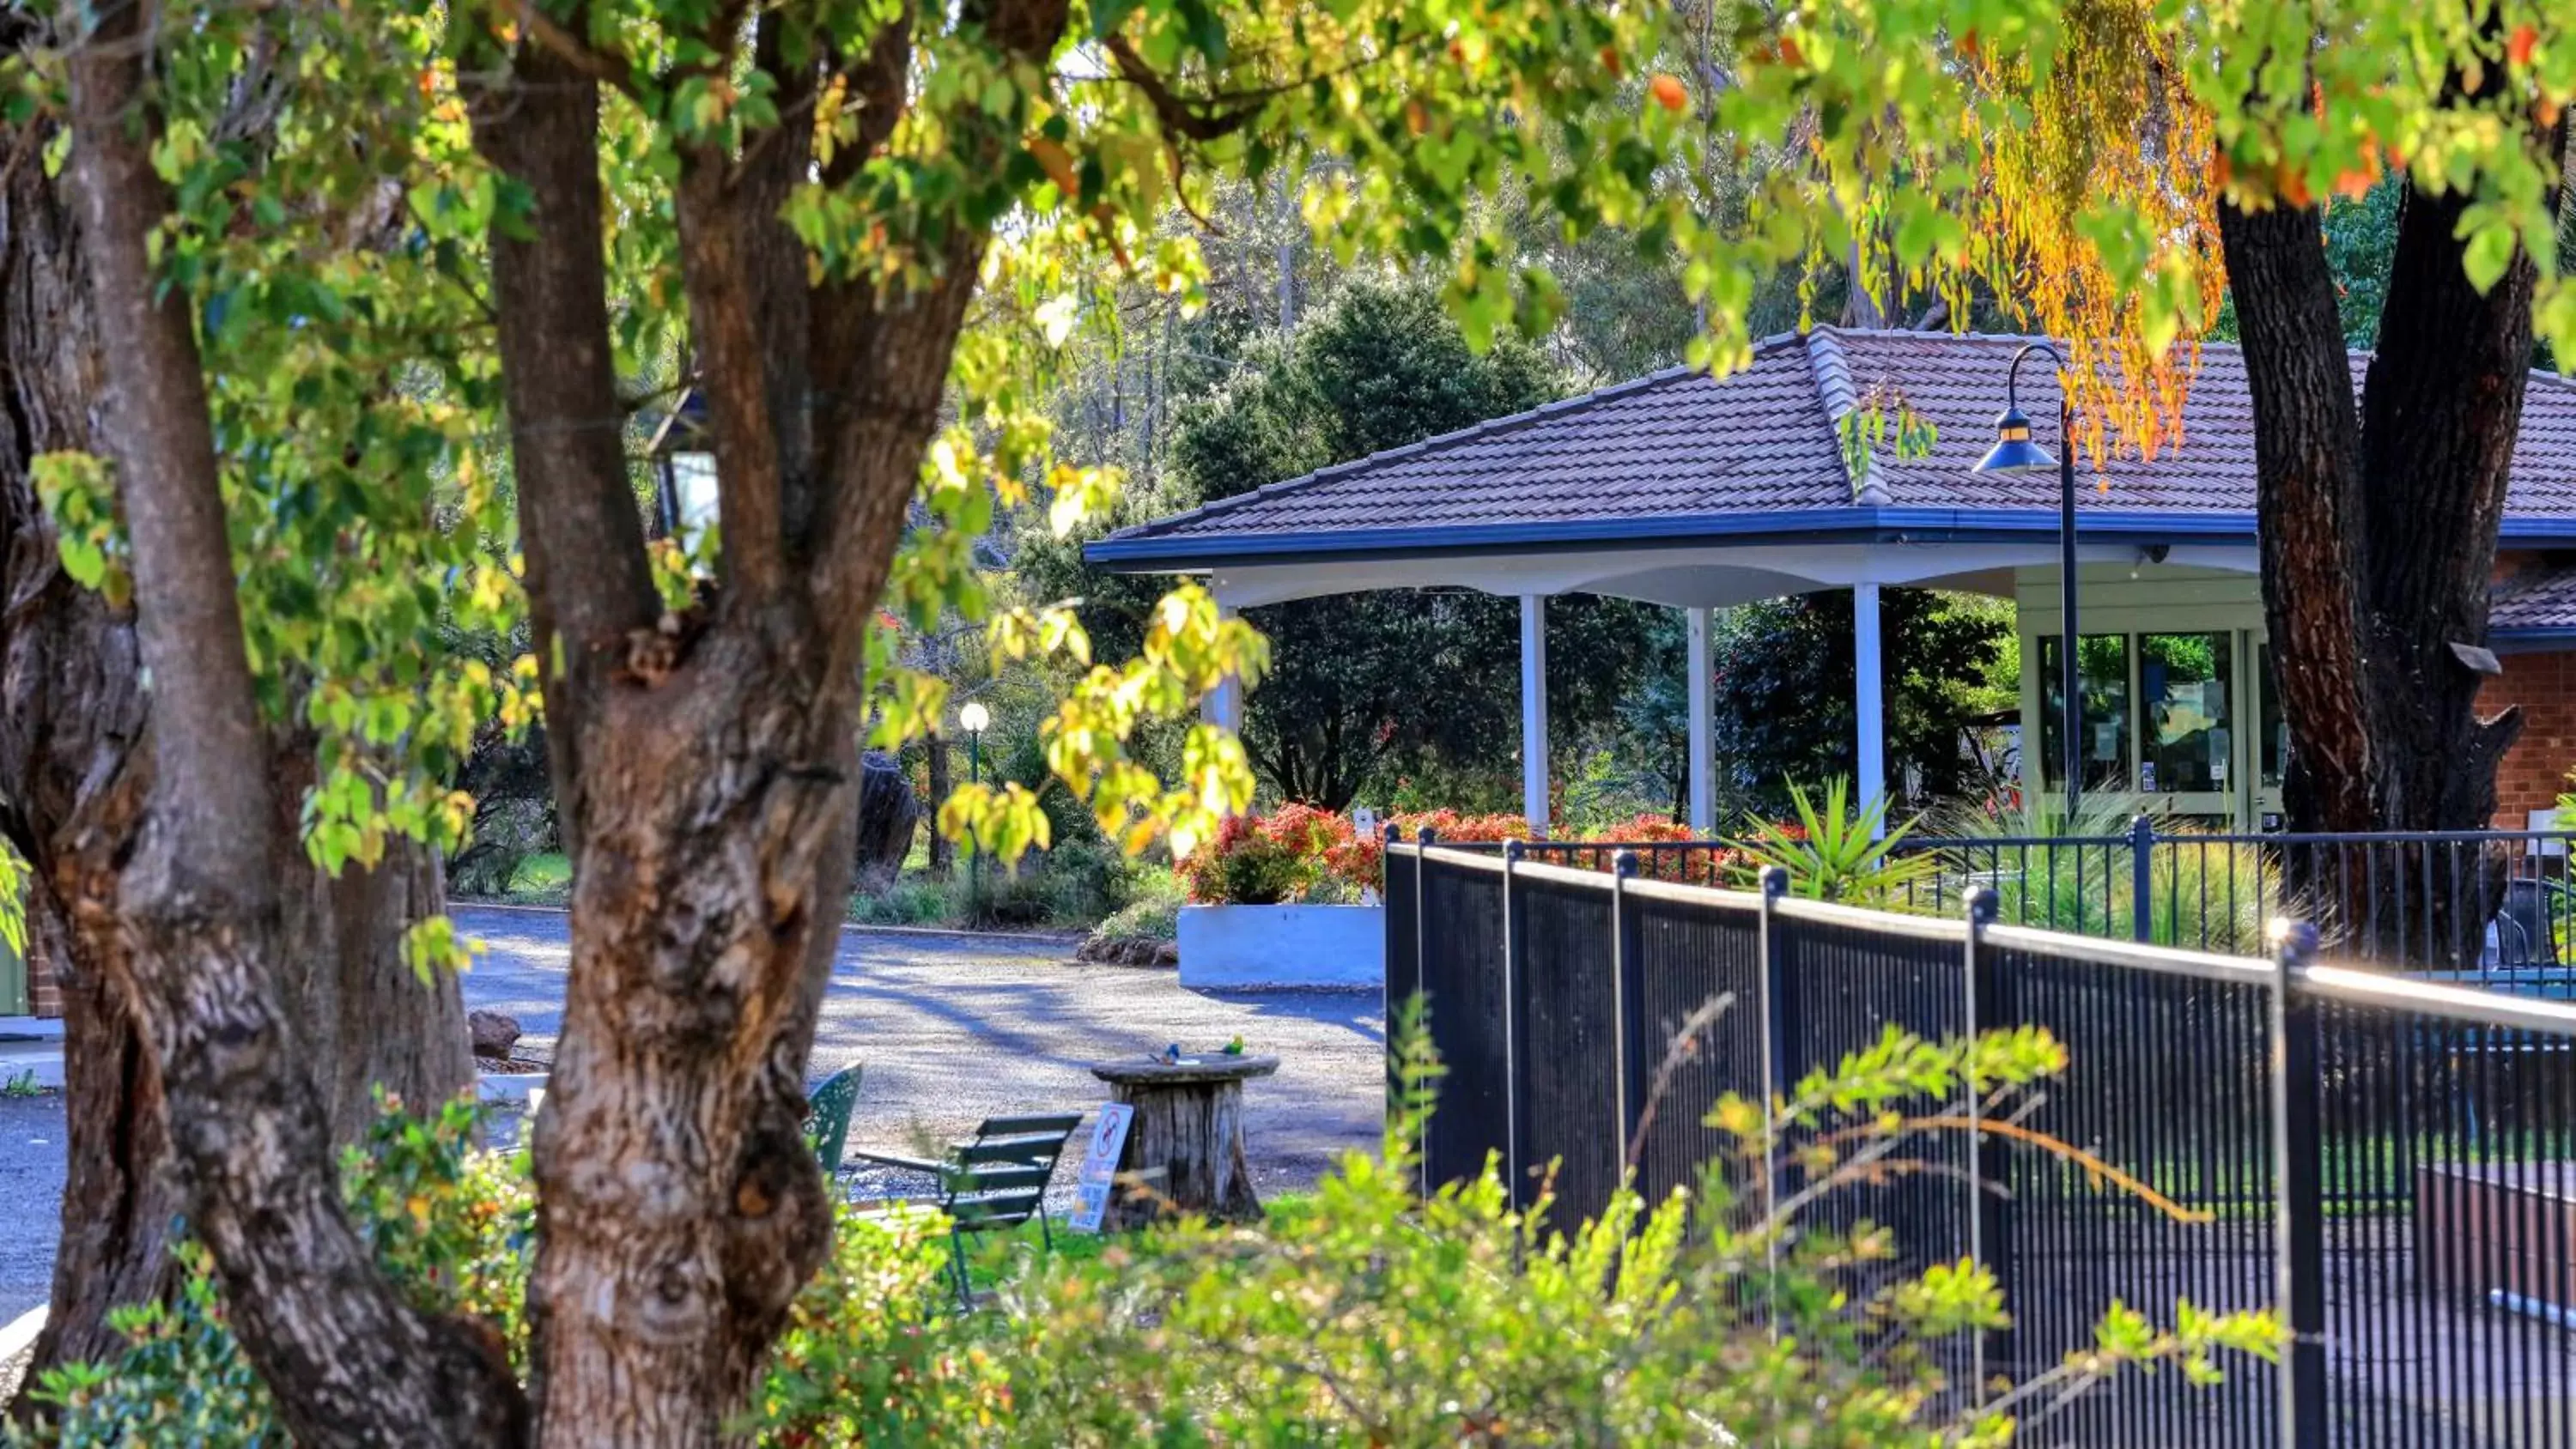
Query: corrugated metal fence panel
1567,1017
1462,982
2168,1081
1689,957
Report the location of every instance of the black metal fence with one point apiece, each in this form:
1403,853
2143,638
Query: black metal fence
2391,1160
2497,907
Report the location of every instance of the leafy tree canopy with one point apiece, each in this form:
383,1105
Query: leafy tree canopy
1363,685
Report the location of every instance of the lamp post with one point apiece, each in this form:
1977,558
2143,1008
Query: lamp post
974,719
2014,452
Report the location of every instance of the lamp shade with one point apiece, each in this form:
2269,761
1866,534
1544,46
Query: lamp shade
2013,451
974,718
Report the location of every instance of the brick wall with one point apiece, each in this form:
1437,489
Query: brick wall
2535,770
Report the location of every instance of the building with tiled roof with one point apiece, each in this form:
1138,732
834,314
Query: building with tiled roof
1699,492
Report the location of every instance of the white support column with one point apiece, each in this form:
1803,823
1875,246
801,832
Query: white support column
1534,711
1223,706
1869,709
1703,726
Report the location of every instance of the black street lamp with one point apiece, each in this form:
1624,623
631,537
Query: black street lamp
2014,452
974,719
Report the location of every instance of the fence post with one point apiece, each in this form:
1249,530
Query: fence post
1422,966
2298,1212
1397,984
1988,1163
1778,1018
1515,944
1627,989
2142,879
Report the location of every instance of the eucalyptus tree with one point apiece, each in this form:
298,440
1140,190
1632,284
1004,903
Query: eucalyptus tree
869,229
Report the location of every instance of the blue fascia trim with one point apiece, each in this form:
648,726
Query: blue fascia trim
1150,553
2532,638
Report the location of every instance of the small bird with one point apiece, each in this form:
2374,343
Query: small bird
1172,1054
1234,1048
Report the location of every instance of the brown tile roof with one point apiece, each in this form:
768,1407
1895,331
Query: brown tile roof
1675,450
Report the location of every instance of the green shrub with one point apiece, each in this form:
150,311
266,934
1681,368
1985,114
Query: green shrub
1153,916
451,1223
1836,852
2202,894
1365,1315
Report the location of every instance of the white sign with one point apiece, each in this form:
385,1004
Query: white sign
1364,823
1100,1165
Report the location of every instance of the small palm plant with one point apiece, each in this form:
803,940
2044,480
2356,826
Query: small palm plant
1837,853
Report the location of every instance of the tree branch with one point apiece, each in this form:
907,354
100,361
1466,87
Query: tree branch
579,55
589,585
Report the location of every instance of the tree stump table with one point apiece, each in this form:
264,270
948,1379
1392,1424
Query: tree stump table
1185,1145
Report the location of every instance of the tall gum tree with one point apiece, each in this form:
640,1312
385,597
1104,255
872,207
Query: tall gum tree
74,770
2107,167
872,227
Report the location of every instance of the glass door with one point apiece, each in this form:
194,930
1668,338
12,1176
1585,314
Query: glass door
2188,696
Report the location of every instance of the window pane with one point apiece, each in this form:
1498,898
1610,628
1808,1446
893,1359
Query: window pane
2185,681
2104,663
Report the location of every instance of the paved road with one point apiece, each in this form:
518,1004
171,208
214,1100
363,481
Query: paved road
31,1192
951,1030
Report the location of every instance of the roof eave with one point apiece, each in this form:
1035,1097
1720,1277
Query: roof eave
1857,524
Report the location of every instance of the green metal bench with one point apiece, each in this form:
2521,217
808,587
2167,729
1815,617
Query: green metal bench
997,1179
827,1119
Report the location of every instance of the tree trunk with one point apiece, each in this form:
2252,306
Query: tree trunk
197,900
888,814
943,778
120,1193
2378,526
2307,454
681,1208
72,717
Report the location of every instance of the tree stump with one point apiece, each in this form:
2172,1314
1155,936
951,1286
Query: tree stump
1186,1142
889,812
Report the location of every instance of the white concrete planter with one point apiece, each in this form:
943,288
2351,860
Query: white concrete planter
1263,946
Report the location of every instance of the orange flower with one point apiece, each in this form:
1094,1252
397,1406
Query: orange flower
1670,93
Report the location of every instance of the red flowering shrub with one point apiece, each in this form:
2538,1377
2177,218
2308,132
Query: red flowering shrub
1459,829
1246,865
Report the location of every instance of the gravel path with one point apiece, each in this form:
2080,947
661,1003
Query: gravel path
31,1193
951,1030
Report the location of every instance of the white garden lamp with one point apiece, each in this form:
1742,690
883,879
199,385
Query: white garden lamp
974,719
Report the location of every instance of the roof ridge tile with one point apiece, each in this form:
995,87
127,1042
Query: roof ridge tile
1841,397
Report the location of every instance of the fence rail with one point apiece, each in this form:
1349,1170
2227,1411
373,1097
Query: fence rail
2391,1160
2494,906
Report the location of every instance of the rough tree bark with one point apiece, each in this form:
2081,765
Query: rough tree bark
198,910
72,726
2378,522
707,763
